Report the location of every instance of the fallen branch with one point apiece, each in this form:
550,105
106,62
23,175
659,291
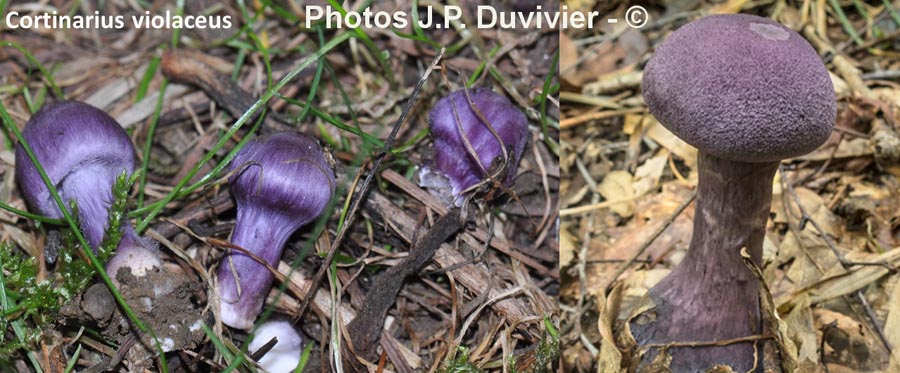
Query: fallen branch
365,329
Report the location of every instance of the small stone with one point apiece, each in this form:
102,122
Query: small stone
98,302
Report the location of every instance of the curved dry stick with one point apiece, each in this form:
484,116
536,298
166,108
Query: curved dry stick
365,329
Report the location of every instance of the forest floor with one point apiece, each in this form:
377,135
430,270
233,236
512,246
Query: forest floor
188,98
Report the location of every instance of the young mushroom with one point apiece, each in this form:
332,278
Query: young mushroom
479,137
139,254
83,150
284,355
473,141
747,92
280,183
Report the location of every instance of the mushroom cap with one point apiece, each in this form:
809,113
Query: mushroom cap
65,137
454,123
285,175
741,87
140,254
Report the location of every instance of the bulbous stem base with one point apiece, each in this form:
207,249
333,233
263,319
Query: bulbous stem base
712,295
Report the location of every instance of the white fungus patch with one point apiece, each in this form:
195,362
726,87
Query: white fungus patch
195,326
167,344
148,304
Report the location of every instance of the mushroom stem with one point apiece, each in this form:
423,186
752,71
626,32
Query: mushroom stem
712,295
264,236
91,189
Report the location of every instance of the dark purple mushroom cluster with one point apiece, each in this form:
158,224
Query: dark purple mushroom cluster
747,92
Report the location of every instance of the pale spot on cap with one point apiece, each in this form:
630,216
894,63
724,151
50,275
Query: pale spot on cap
770,32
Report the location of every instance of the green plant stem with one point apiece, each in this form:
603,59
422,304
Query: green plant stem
481,66
861,9
848,27
179,10
314,87
70,366
545,91
157,110
148,145
337,122
362,36
894,14
148,77
260,46
28,215
226,354
209,176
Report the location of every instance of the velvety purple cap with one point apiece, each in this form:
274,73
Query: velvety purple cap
455,168
741,87
280,183
83,150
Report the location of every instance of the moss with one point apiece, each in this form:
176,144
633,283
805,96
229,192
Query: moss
460,363
26,298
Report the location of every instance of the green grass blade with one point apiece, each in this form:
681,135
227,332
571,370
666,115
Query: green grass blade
56,91
28,215
70,365
545,92
210,176
148,77
848,27
894,14
380,54
148,145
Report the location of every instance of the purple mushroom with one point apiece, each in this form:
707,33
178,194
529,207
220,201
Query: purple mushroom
747,92
466,146
83,150
280,183
139,254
